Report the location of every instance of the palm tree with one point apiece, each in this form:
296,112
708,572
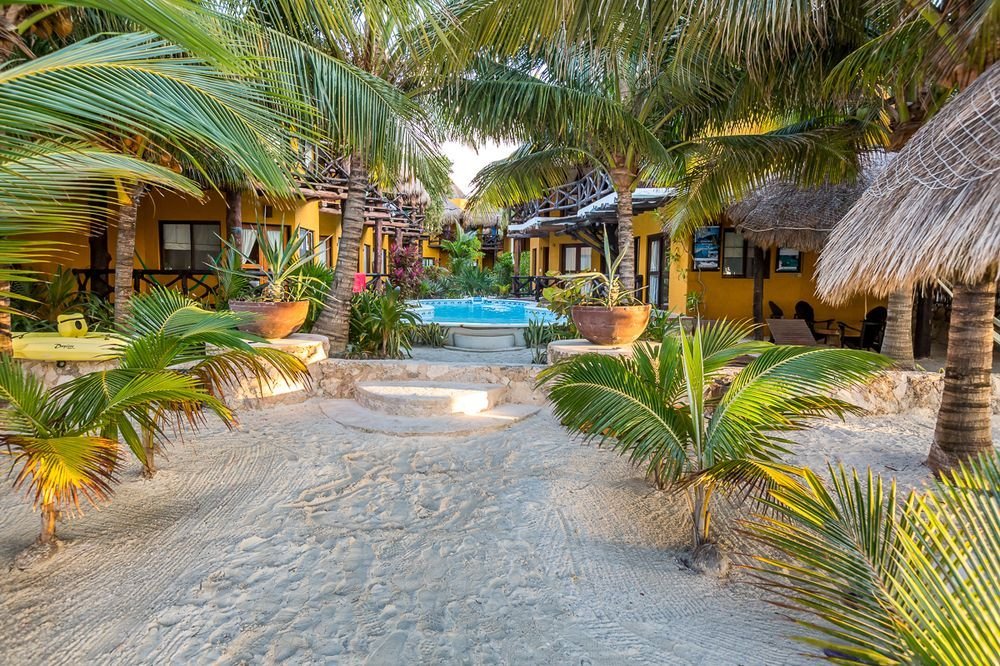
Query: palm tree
883,582
62,441
681,412
388,45
571,105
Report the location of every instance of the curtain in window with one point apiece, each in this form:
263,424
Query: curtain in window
249,237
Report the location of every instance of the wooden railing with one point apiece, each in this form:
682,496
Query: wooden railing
531,286
200,285
569,198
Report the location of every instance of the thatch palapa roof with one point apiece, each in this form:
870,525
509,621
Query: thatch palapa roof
781,214
479,218
934,213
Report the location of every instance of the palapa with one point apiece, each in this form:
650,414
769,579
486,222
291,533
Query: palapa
933,213
781,214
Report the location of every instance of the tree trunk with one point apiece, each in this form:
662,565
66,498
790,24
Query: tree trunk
334,320
963,422
128,212
758,292
897,342
6,344
49,515
700,500
234,217
149,451
100,257
623,182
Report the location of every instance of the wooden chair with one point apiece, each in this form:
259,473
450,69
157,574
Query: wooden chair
821,329
776,312
791,332
869,336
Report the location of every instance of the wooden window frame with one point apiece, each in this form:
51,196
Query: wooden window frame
190,223
748,252
594,257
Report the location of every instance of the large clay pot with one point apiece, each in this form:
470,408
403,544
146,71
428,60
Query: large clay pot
611,326
274,320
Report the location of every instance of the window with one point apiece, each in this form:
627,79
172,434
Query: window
738,256
428,262
657,273
308,245
324,252
189,245
577,258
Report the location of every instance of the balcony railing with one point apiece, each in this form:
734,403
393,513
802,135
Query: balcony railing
198,284
569,198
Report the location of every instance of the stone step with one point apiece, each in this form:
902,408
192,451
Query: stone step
425,398
350,414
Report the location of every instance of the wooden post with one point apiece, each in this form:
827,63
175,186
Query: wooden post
924,314
515,247
758,290
377,259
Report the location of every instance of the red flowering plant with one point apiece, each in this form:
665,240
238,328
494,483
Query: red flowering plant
406,269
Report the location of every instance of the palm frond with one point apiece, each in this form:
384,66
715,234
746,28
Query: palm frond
61,470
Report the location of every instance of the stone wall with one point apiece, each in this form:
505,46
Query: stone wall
899,392
311,349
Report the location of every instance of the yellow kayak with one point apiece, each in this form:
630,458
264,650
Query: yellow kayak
55,347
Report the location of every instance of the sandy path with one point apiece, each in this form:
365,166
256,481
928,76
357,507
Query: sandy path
297,540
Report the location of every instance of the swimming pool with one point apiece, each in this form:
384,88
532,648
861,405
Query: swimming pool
482,324
492,312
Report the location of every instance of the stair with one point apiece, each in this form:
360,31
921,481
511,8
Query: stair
419,408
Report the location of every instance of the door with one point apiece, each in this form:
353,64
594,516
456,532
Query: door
657,271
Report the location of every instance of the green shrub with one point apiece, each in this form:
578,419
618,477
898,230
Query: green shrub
380,325
430,335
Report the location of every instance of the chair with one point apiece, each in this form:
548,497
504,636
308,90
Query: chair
869,336
776,312
805,312
791,332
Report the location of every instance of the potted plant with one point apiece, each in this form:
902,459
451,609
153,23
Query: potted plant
606,313
276,288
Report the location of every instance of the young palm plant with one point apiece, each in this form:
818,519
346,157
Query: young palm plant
669,409
883,582
63,441
170,330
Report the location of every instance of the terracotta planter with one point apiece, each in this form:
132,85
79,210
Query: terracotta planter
615,326
274,320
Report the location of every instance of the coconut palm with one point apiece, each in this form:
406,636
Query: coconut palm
170,330
62,441
681,412
880,582
388,44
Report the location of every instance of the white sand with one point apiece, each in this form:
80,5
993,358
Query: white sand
297,541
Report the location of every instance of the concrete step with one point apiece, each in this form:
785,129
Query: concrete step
426,398
350,414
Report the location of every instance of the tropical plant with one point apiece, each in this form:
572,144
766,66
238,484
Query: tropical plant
539,334
880,582
429,335
318,280
406,269
661,324
682,413
602,288
42,300
473,280
63,441
232,281
381,324
171,331
464,250
277,275
504,269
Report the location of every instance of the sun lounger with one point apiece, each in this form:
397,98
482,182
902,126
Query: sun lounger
791,332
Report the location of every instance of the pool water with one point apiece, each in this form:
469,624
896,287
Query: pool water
482,311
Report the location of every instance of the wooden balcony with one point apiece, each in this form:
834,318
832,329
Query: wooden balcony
567,199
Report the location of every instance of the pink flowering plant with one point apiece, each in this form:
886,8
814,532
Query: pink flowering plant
406,269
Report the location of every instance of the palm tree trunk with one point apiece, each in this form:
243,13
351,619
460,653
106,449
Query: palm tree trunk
758,291
700,499
149,451
6,344
897,343
128,213
623,181
334,320
49,515
963,424
234,217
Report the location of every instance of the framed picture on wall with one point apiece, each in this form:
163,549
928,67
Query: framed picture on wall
705,250
788,260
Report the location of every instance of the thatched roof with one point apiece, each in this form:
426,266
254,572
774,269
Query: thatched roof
933,213
781,214
479,218
413,192
452,214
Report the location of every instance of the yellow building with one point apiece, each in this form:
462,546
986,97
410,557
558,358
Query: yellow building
177,237
711,274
